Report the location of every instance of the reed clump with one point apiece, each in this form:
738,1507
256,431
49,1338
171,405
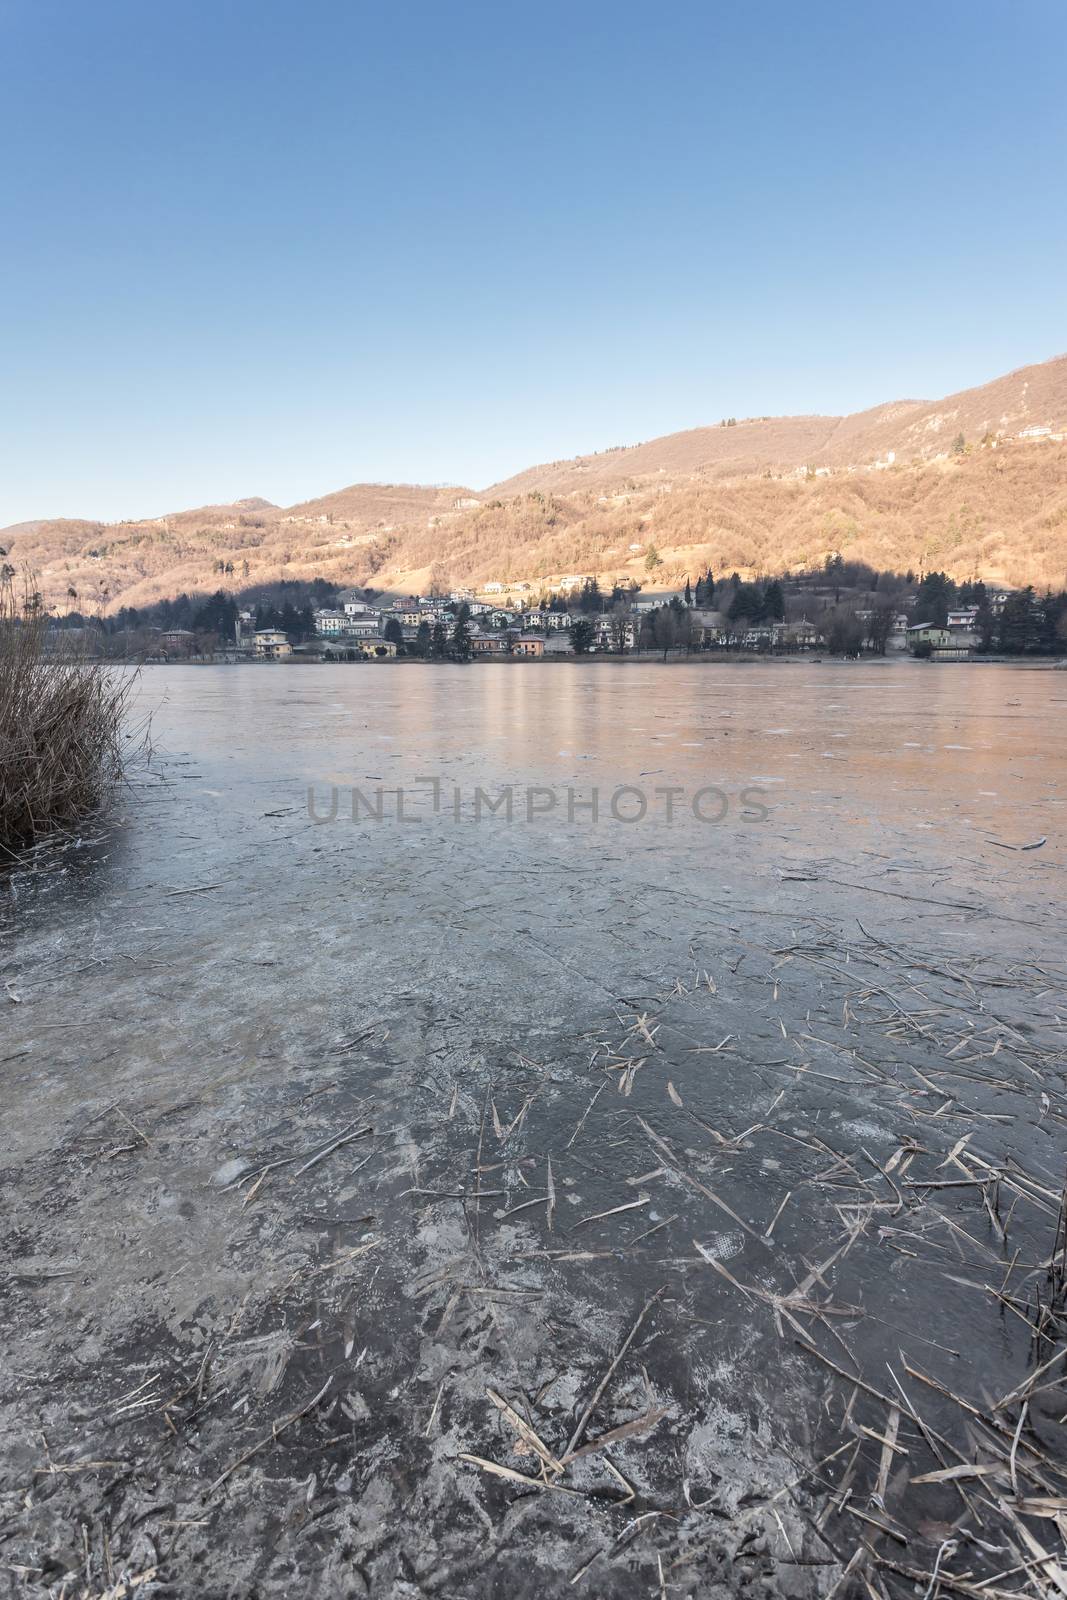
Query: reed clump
62,721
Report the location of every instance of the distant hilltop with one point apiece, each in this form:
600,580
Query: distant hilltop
975,484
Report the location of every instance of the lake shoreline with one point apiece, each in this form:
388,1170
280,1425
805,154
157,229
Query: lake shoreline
702,658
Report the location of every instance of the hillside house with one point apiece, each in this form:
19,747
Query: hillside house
330,622
272,645
801,635
176,642
759,638
530,645
926,633
607,633
709,627
490,644
363,628
898,634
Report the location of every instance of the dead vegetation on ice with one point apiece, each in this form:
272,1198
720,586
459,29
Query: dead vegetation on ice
753,1285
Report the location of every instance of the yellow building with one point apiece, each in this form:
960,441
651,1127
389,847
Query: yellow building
272,645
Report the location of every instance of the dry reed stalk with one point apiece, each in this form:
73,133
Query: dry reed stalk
61,725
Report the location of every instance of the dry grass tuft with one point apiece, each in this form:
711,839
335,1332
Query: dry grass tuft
61,726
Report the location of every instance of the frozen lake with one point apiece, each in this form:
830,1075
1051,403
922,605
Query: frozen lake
409,1107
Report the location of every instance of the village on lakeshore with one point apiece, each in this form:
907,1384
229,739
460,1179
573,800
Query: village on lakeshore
842,609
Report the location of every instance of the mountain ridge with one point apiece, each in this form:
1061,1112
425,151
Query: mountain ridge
976,482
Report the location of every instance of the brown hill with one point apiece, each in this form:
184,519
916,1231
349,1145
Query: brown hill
914,430
892,486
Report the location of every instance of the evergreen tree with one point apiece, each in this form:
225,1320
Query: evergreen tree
936,593
217,615
591,599
1020,628
461,634
583,636
986,625
1054,622
746,603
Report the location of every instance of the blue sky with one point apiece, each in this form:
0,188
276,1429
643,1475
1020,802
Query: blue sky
278,246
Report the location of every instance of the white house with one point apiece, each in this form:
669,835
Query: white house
327,621
607,631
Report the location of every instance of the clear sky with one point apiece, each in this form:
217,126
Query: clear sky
278,246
